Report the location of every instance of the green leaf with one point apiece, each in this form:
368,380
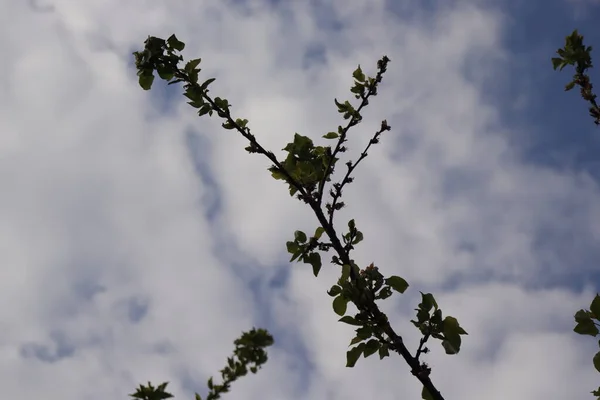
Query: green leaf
451,344
340,303
334,291
595,307
174,43
397,283
353,354
204,110
597,361
191,65
556,62
450,326
569,86
383,351
221,103
364,332
276,173
314,259
582,315
165,73
586,328
241,122
371,347
197,397
425,395
350,320
357,339
331,135
146,81
341,107
428,302
206,83
193,76
300,236
358,75
358,238
228,125
345,273
352,225
292,247
319,232
194,95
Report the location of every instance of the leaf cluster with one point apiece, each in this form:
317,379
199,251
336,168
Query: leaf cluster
587,323
429,321
308,170
576,54
249,355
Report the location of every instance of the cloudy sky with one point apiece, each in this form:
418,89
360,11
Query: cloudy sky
137,240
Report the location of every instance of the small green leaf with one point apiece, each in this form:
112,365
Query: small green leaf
276,173
582,315
371,347
314,259
383,351
221,103
228,125
358,238
174,43
450,326
241,122
359,75
569,86
345,273
341,107
586,328
300,236
397,283
206,83
340,304
427,302
334,291
331,135
595,307
146,81
556,62
425,395
353,354
364,332
357,339
204,110
452,344
292,247
165,73
193,76
191,65
350,320
351,225
319,232
597,361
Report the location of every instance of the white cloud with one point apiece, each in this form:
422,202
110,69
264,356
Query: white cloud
102,209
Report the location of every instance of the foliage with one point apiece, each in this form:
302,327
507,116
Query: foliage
307,171
587,322
575,53
249,354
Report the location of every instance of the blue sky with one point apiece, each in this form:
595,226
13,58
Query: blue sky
139,241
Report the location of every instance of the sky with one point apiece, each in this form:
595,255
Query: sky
138,241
